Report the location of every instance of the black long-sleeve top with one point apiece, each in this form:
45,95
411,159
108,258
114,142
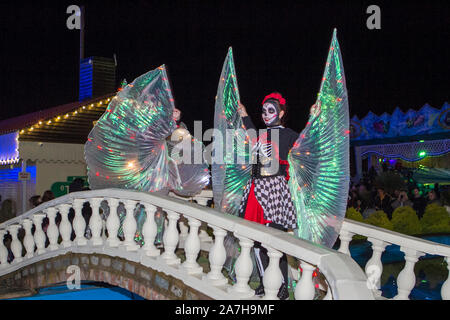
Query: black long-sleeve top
287,138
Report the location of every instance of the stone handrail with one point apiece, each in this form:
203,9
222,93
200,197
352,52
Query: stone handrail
413,248
344,278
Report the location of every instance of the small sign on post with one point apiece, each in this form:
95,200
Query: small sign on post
24,176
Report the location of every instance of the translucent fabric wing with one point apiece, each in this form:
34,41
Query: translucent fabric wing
319,160
127,148
231,153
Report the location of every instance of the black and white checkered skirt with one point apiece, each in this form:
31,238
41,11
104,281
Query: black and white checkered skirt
273,195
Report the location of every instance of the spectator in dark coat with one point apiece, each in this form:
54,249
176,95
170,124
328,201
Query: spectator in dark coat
419,202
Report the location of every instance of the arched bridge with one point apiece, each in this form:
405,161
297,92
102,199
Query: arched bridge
189,264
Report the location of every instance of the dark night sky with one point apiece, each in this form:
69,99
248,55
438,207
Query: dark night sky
277,45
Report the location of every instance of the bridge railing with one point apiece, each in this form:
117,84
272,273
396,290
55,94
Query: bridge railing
412,247
344,278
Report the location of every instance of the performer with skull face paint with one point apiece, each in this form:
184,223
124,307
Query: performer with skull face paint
267,199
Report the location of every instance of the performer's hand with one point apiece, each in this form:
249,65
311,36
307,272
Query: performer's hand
241,110
315,109
176,115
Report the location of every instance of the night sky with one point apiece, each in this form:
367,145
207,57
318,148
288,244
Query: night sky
278,46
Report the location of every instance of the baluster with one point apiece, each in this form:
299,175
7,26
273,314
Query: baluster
304,290
65,228
345,237
52,230
129,226
170,239
28,240
217,257
406,279
79,224
445,289
39,235
273,278
95,223
3,251
149,231
192,248
113,223
374,267
16,246
244,268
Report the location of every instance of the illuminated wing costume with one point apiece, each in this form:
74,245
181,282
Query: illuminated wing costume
318,160
131,145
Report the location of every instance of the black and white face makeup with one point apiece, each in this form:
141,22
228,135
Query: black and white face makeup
270,114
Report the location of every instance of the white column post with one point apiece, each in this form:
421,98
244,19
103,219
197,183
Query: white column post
406,279
192,248
345,237
374,267
113,223
16,246
3,251
39,235
445,289
149,231
217,257
244,268
170,239
130,226
79,224
28,240
65,228
95,223
304,290
273,278
52,230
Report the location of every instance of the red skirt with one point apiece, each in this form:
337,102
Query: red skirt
254,211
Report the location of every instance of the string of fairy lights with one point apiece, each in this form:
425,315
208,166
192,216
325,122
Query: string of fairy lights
52,122
56,119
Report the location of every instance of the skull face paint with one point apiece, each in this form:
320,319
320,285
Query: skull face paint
270,114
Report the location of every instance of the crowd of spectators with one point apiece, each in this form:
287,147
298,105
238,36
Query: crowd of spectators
368,195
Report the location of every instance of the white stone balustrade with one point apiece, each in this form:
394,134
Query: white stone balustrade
16,246
348,283
412,247
445,289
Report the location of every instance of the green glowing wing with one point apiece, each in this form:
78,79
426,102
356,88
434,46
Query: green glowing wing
319,160
231,145
128,147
